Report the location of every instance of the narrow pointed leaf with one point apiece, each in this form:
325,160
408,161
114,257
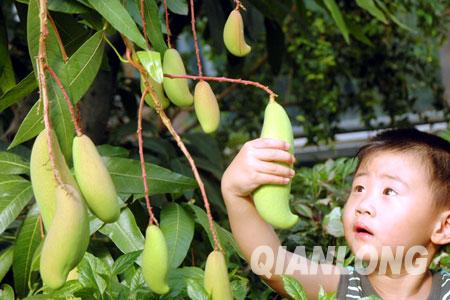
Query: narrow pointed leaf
18,92
6,259
372,9
337,16
178,229
153,22
30,127
179,7
11,163
114,12
27,241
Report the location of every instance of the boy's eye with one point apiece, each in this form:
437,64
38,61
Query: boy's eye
389,192
358,188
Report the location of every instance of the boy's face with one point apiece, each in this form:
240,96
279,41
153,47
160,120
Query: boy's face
390,204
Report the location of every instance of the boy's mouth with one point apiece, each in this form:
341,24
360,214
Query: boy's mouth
362,229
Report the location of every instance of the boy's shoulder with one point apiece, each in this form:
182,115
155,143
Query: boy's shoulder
353,285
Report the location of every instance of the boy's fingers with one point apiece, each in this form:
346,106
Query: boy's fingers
270,143
275,155
263,178
275,169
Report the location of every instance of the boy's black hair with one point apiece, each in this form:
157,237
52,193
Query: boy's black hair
433,150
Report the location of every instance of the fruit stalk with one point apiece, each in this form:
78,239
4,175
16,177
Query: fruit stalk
144,23
141,156
169,44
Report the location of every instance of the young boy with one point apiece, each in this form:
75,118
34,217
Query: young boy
399,201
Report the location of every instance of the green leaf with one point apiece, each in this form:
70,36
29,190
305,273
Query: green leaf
31,126
225,237
82,67
6,292
294,288
151,60
67,6
7,76
178,280
178,229
18,92
124,262
196,291
127,178
93,272
125,233
179,7
114,12
112,151
372,9
337,16
27,241
6,259
15,193
11,164
393,17
240,288
154,27
324,296
332,223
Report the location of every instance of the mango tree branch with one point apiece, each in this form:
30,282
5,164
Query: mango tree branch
167,24
225,79
194,33
144,23
58,38
166,121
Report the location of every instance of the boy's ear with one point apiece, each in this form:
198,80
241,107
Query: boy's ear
441,231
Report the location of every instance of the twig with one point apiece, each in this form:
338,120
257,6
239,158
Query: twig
41,227
41,62
73,115
115,50
177,138
141,156
167,24
225,79
144,23
194,33
58,38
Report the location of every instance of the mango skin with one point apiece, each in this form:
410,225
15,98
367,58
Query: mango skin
155,260
42,177
271,200
67,239
94,180
206,107
233,35
177,90
157,87
216,281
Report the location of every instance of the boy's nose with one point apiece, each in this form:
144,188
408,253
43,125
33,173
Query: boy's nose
365,207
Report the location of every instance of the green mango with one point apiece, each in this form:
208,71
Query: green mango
177,90
216,281
67,239
233,35
155,260
42,176
271,200
94,180
157,87
206,107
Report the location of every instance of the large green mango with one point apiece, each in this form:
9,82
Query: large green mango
216,281
42,175
67,239
94,180
206,107
176,89
233,35
155,260
271,200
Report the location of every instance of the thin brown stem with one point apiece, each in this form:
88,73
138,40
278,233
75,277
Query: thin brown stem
167,24
58,38
194,33
225,79
73,114
41,227
141,156
144,23
41,62
166,121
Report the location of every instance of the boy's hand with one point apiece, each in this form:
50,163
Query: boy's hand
255,164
